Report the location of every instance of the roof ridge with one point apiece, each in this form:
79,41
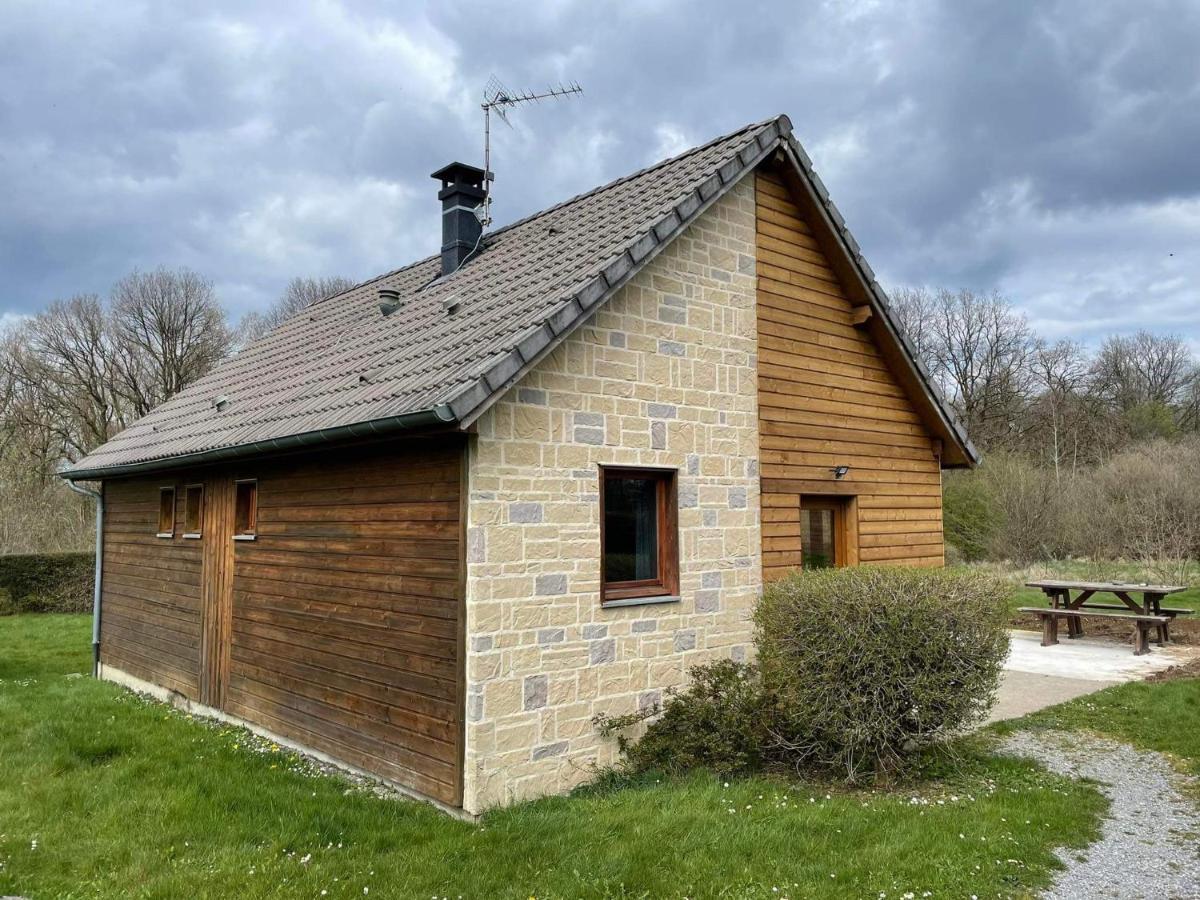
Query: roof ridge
692,151
638,174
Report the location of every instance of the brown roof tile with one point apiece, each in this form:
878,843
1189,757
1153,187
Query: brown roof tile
340,368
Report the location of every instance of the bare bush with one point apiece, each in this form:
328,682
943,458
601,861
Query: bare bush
41,515
1149,499
1141,505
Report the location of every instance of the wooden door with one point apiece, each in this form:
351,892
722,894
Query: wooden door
828,531
216,589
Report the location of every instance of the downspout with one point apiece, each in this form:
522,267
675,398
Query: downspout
99,498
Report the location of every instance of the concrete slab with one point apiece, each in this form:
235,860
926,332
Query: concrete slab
1036,677
1022,693
1090,658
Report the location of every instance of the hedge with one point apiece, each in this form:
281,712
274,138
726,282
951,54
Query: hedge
857,668
863,665
47,582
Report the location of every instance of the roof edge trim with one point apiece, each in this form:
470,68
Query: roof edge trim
877,298
539,340
439,415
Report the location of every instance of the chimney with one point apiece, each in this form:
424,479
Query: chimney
461,194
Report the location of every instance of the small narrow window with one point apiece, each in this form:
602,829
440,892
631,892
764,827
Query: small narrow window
193,510
166,512
245,518
822,532
639,545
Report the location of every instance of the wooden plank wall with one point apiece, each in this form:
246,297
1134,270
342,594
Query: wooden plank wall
346,612
827,398
150,625
339,626
216,583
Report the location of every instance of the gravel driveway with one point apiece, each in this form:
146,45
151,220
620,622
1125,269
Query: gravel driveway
1150,843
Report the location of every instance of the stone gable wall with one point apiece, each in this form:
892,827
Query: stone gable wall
663,375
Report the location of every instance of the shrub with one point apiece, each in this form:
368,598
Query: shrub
49,582
716,724
861,665
1032,522
969,514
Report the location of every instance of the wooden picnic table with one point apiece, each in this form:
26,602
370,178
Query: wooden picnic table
1145,614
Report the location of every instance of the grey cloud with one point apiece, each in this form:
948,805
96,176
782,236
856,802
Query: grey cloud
1050,152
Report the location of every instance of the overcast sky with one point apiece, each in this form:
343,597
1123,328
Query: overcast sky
1049,151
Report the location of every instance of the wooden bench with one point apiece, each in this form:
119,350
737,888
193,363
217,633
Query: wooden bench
1169,611
1141,631
1164,630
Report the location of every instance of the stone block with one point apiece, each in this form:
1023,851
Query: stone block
602,651
685,640
550,584
545,751
525,513
536,691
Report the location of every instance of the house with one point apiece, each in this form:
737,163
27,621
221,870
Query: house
431,526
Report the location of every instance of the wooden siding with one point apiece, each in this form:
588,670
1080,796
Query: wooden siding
346,608
150,626
216,589
338,626
827,398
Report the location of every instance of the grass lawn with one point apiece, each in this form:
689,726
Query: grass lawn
1164,717
106,795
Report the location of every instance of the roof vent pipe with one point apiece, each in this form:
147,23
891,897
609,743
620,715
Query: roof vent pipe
389,300
461,195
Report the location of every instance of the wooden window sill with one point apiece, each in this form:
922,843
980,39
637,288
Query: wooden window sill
192,536
165,534
245,537
638,601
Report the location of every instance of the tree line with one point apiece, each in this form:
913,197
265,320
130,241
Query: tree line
1070,435
1087,453
78,372
1058,402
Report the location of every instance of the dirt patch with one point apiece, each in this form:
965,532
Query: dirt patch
1190,669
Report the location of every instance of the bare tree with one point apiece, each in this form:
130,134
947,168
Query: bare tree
914,310
60,366
1131,370
1062,414
299,294
1189,409
981,349
168,330
81,370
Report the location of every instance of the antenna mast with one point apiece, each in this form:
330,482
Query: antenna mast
499,98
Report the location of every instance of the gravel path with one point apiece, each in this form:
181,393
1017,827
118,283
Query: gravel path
1149,846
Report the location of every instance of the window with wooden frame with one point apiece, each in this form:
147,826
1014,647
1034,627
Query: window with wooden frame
193,510
166,512
639,534
245,510
826,539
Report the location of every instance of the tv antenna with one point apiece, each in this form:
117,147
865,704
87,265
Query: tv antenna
498,98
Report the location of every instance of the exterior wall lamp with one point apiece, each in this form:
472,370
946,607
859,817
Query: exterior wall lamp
839,472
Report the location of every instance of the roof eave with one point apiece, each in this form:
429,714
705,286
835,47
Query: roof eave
420,420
